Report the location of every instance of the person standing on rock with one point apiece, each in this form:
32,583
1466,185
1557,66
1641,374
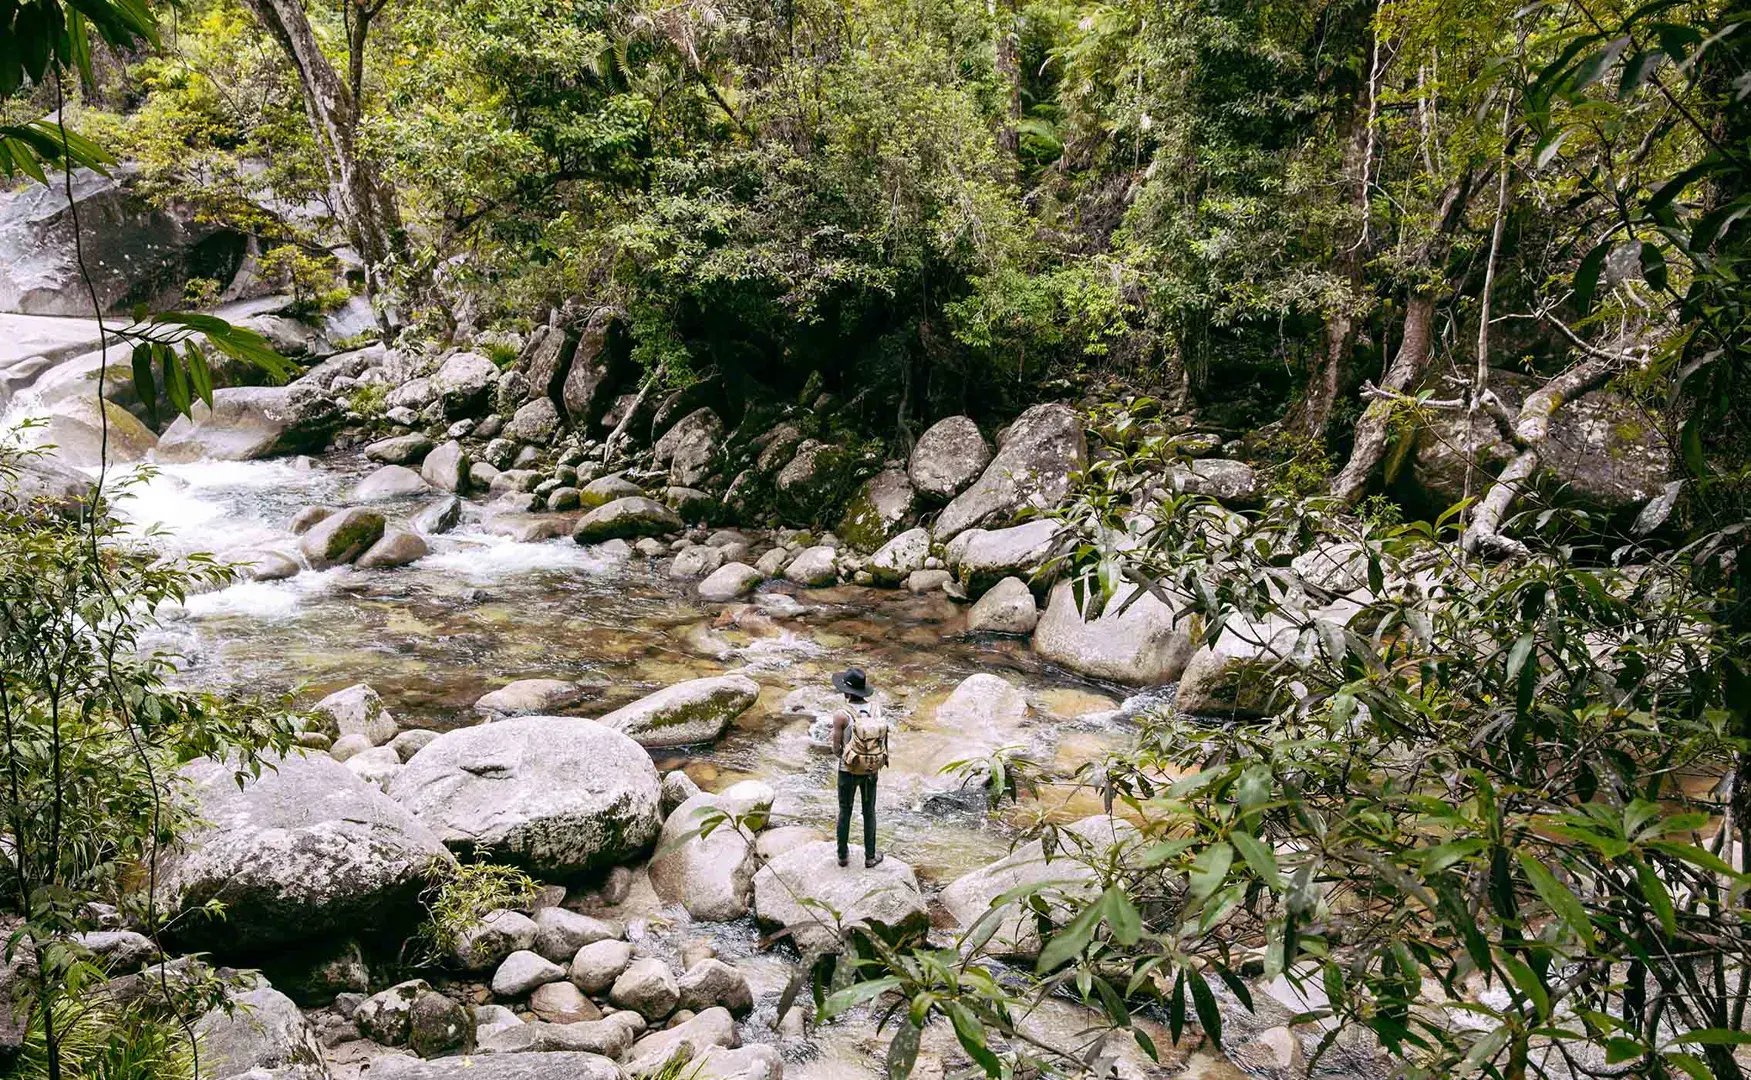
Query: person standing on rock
860,743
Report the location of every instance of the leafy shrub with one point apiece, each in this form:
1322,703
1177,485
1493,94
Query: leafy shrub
459,897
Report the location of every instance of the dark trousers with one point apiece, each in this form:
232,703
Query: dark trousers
850,786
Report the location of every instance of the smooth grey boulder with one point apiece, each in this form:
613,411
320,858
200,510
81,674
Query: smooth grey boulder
523,971
730,581
78,436
711,876
595,966
38,482
1043,448
545,1066
250,422
498,934
695,711
1231,483
309,517
1235,676
969,897
530,696
605,489
408,743
413,395
305,851
560,933
980,557
447,467
696,561
557,795
463,383
264,1031
536,422
756,1061
897,559
625,519
390,482
689,1041
713,983
887,892
1139,645
376,766
690,448
947,457
408,449
883,506
562,1003
647,987
264,564
398,547
341,538
1006,608
544,1039
356,710
814,567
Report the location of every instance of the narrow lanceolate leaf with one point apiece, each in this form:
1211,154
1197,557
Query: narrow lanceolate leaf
1209,1017
1070,941
1563,903
903,1051
971,1035
1587,274
199,374
854,996
144,386
1258,856
1210,870
1122,916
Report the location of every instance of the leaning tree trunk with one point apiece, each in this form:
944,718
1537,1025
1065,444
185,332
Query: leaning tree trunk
364,199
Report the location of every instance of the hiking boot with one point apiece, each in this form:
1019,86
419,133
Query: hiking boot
842,860
872,860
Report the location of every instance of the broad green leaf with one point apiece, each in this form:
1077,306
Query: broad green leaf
1210,869
1258,856
1557,896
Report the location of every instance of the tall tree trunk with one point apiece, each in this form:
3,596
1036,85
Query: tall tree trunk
1008,63
364,200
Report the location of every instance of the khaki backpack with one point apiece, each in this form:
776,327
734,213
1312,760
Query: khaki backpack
866,740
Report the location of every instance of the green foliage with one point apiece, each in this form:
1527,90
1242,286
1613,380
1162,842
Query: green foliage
311,279
97,1041
459,896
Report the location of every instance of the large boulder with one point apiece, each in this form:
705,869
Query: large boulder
1040,452
625,519
711,876
77,431
1605,450
304,851
535,422
687,1041
1231,483
553,1065
730,581
356,710
413,1015
542,1039
262,1033
390,482
887,892
1006,608
883,506
558,795
606,489
947,458
805,468
590,383
408,449
398,547
447,467
546,360
341,538
981,557
250,422
814,567
498,934
647,987
897,559
464,382
135,251
561,932
1235,676
695,711
971,896
1141,644
690,447
37,482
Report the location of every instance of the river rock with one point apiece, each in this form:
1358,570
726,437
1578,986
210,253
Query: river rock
1006,608
413,395
562,1003
756,1061
544,1066
401,449
1333,568
710,876
1141,645
438,517
696,561
376,766
948,457
413,1015
772,843
690,447
881,508
1043,448
983,703
447,467
250,422
730,581
497,935
560,933
980,557
805,469
264,1031
626,519
1017,937
814,567
346,747
523,971
712,983
595,966
410,742
895,560
543,1039
678,787
119,951
310,517
528,696
546,360
605,489
77,432
397,548
39,482
1231,483
920,582
463,382
390,482
558,795
536,422
341,538
695,711
357,710
306,850
1235,676
887,892
590,384
688,1041
265,564
647,987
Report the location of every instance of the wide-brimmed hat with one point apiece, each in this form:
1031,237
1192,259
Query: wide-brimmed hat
852,681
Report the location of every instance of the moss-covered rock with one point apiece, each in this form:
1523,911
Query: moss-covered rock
695,711
882,507
341,538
